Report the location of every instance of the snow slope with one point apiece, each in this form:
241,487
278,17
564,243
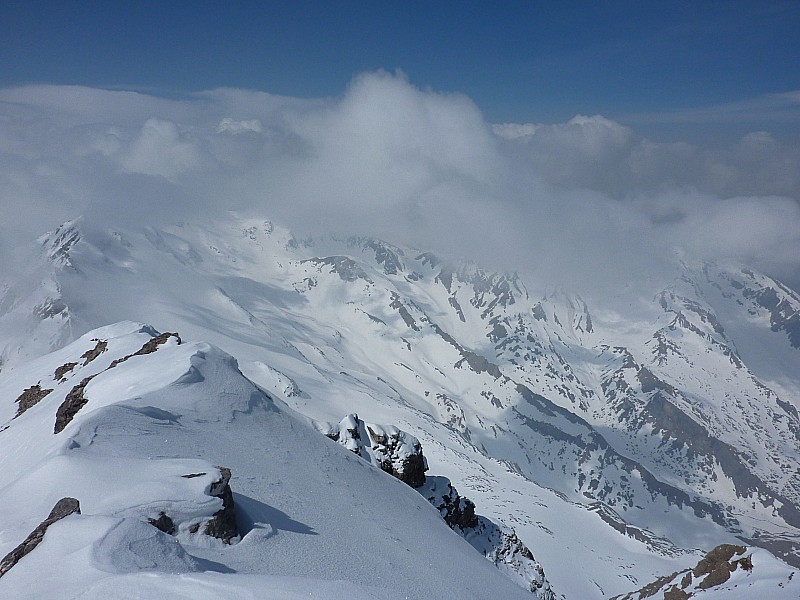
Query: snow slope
314,519
630,442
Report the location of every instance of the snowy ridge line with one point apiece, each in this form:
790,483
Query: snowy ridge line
702,395
158,518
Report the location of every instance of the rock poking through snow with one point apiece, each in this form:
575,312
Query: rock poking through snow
497,543
74,401
385,446
222,524
713,570
400,454
63,508
30,397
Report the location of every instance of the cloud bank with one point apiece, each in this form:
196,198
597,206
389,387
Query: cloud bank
588,204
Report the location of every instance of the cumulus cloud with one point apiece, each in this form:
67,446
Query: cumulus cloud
160,149
600,154
590,203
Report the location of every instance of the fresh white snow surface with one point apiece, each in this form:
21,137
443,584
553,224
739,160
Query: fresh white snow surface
583,465
316,520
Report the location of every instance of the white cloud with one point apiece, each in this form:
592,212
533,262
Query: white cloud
587,203
160,149
229,125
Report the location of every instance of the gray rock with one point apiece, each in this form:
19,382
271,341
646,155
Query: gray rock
223,524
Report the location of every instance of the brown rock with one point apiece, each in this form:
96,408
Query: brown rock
63,508
98,349
30,397
74,401
148,348
63,370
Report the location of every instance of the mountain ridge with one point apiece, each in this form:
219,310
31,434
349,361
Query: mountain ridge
645,418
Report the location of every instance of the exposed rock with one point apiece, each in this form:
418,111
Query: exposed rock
152,345
222,524
386,255
49,308
148,348
345,267
399,454
63,508
404,314
498,544
457,512
98,349
348,434
714,569
74,401
392,450
675,594
59,243
163,523
62,371
717,565
612,518
30,397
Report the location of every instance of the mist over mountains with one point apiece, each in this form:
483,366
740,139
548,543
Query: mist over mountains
594,339
588,204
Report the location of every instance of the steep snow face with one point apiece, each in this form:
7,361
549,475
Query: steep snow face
651,437
141,455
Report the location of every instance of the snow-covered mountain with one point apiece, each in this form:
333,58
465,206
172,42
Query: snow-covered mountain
630,442
129,426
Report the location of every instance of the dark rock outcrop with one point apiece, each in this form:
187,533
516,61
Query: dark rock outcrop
497,543
148,348
98,349
718,565
714,569
63,508
399,454
62,371
392,450
163,523
456,511
30,397
222,524
74,401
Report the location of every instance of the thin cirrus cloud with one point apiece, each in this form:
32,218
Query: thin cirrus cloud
590,203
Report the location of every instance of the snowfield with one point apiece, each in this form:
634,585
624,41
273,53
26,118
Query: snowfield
313,518
616,449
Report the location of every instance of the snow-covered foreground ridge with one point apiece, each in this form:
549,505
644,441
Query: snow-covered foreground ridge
291,514
629,443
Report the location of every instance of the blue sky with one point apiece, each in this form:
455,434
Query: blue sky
665,67
697,150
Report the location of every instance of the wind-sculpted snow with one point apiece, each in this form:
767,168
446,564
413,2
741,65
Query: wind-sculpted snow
663,431
290,512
